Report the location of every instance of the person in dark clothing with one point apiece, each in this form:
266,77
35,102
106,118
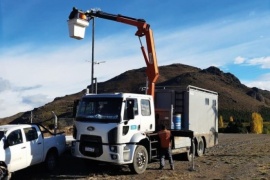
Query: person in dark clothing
165,147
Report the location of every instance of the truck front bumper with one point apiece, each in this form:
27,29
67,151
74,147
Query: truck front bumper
118,154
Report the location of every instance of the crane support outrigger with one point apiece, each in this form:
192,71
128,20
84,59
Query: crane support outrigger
144,29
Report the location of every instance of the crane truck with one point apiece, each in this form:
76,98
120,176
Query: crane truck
121,128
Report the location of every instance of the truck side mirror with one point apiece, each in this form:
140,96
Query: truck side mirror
75,107
130,109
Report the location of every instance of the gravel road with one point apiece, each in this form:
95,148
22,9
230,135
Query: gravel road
237,156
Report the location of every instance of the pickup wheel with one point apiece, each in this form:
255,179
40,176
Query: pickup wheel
50,161
4,174
200,147
140,160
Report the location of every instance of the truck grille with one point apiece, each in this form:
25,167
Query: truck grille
91,145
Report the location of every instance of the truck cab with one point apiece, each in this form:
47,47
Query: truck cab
110,127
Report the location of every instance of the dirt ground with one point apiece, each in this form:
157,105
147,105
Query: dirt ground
238,156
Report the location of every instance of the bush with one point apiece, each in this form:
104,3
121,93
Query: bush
220,122
266,129
235,127
256,124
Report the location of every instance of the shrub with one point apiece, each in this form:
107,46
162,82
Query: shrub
266,130
235,127
231,119
256,124
220,122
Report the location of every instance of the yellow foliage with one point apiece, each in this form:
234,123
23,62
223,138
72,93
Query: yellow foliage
220,122
256,124
231,119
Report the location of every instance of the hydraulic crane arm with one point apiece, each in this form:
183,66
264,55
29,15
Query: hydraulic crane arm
150,58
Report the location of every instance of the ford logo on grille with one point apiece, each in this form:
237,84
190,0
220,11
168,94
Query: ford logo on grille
90,128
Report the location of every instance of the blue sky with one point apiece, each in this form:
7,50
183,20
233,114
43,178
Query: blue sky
38,60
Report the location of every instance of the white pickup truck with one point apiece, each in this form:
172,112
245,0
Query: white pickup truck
24,145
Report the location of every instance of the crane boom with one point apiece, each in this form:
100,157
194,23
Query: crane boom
144,29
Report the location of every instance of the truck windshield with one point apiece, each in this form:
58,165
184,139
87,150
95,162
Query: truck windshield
99,110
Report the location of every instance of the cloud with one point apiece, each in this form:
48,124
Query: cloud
4,85
35,100
262,82
27,88
239,60
263,62
10,104
12,99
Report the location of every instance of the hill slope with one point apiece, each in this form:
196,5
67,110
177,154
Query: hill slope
235,99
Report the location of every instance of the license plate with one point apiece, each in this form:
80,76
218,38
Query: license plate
89,149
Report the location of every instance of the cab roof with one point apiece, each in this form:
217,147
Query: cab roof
13,126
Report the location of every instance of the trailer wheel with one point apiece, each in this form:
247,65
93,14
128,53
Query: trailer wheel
140,160
200,147
50,161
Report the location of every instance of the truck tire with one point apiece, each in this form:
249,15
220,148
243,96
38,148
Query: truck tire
200,147
140,160
50,161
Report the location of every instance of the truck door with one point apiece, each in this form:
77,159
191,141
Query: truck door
135,123
16,151
147,117
34,145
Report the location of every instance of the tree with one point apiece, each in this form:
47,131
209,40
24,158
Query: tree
220,122
256,124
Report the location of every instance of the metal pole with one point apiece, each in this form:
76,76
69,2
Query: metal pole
93,48
95,85
192,168
55,122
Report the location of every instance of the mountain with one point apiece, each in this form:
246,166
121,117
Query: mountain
235,99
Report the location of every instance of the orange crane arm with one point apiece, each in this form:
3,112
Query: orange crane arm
150,58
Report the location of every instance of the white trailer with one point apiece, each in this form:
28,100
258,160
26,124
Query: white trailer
189,109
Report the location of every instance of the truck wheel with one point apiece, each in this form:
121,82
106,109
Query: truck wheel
200,147
140,160
50,161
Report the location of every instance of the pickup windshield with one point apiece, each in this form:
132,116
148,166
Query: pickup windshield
99,110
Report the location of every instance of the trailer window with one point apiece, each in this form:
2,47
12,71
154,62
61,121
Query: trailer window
214,103
207,101
145,107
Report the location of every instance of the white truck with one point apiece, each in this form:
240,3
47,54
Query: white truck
121,128
24,145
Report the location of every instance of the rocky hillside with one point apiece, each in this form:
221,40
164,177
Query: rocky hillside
235,99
